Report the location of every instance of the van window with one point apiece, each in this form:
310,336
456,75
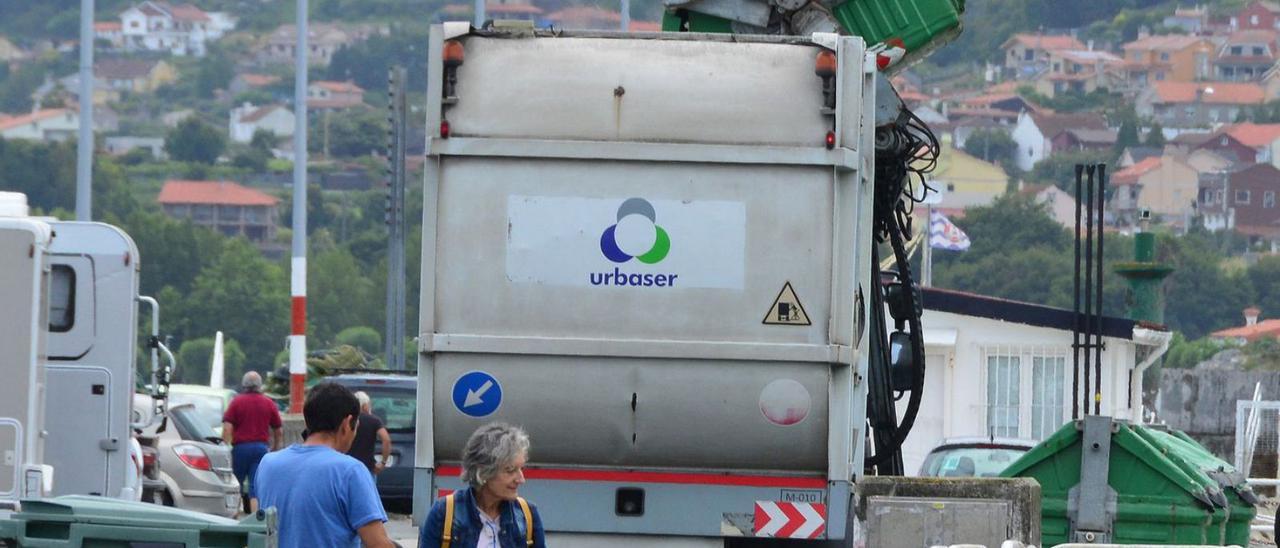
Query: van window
62,298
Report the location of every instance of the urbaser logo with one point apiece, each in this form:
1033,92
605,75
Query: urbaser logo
635,235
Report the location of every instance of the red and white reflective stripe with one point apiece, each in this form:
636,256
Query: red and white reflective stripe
640,476
888,57
790,519
442,493
298,333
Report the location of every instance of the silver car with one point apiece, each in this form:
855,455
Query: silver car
195,465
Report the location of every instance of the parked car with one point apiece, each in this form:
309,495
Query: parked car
394,398
194,464
974,457
209,402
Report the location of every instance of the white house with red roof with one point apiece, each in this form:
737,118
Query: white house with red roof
249,118
1247,142
182,29
329,95
225,206
53,124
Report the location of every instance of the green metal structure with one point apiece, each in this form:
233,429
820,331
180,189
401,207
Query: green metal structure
1167,488
78,521
1145,277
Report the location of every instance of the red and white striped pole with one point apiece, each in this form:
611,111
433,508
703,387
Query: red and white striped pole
298,277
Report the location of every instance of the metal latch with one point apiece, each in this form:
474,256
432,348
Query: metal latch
1091,505
109,444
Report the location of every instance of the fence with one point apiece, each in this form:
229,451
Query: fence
1267,446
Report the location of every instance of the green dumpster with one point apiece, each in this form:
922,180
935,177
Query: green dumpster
76,521
1148,487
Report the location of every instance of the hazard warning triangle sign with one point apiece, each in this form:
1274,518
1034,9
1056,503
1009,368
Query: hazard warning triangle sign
786,309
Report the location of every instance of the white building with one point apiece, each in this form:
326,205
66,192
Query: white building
1035,131
179,29
247,119
55,124
995,367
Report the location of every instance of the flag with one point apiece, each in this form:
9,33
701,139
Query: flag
945,235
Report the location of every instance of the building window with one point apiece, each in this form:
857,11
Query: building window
1237,50
1028,55
1002,396
1160,75
1048,385
1164,56
202,213
1242,197
1259,51
1253,19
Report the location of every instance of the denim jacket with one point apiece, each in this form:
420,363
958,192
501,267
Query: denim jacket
467,524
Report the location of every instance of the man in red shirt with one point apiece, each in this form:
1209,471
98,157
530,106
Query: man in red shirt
245,426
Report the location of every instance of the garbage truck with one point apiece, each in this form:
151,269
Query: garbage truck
656,253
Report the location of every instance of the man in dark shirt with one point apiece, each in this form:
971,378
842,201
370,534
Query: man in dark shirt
245,426
369,431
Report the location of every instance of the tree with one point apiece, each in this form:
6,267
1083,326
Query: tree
1200,295
994,146
1060,169
214,72
193,140
246,297
195,359
1155,136
1127,136
363,337
341,295
353,132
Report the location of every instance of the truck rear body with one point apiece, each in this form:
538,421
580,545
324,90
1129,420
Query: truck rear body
641,249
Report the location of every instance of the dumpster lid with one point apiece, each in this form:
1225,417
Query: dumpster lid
1182,461
108,511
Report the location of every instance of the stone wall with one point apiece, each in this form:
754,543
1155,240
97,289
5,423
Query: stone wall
1202,403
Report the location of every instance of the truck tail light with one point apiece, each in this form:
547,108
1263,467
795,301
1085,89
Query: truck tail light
193,457
831,140
444,129
825,65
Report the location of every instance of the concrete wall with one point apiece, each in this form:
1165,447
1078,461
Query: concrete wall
1202,403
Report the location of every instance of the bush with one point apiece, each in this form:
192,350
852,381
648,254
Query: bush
363,337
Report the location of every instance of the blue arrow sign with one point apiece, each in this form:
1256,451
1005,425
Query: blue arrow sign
477,394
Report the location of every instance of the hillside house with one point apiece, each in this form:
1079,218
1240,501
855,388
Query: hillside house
1172,57
48,125
111,32
1244,201
1035,130
1246,143
1246,55
224,206
1192,20
134,75
511,10
323,40
327,95
1196,104
1027,55
1258,15
182,29
1080,72
1003,368
248,81
964,180
1252,330
1084,139
1166,185
248,119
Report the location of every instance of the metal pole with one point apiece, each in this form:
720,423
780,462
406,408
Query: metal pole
626,15
1097,351
298,281
926,254
1075,306
480,15
1088,281
395,327
84,147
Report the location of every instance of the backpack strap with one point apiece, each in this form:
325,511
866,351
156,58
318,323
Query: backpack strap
528,521
445,536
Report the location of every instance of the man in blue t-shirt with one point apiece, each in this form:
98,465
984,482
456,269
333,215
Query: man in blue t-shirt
323,497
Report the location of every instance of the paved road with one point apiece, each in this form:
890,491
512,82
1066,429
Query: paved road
401,530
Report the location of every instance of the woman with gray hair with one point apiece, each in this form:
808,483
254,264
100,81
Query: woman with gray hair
488,512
